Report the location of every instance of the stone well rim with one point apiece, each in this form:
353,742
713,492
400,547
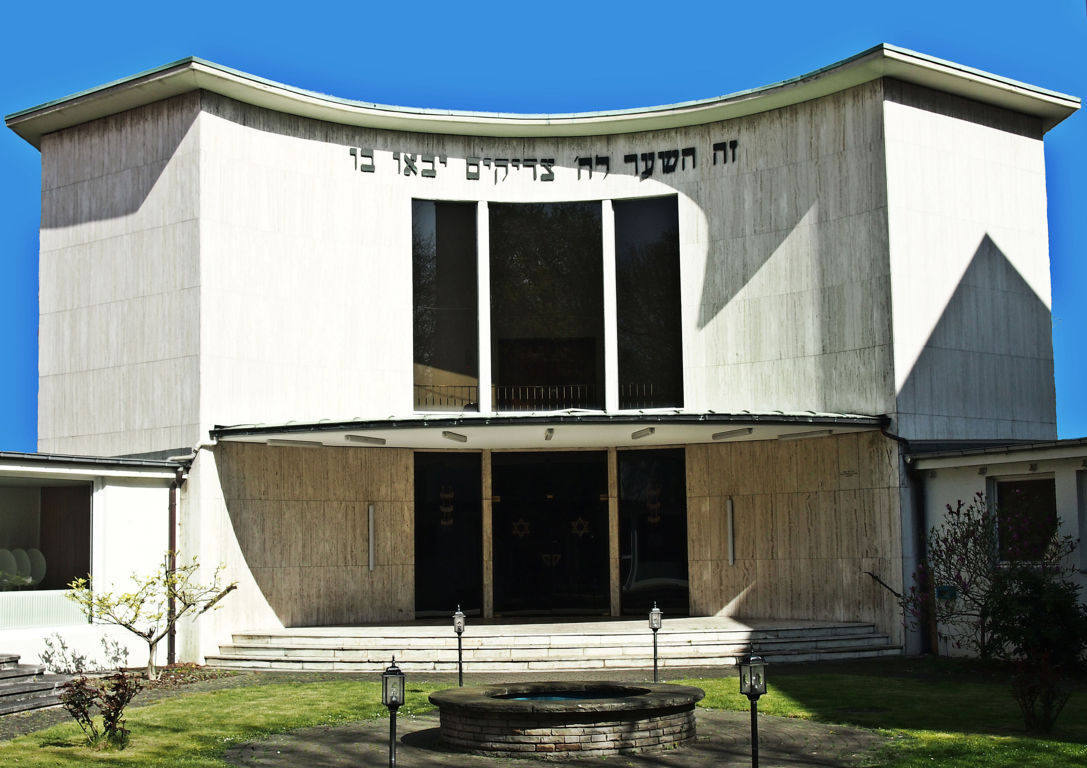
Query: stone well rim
630,697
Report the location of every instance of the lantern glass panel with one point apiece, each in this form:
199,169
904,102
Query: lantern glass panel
655,618
392,687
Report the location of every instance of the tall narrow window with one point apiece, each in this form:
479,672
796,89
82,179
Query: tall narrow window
547,306
648,303
446,339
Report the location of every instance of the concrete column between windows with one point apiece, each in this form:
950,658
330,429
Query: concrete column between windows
611,328
488,538
613,531
483,275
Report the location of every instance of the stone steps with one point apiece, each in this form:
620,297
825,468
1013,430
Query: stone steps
26,686
513,648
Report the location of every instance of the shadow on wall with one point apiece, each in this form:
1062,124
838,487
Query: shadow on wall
125,154
986,371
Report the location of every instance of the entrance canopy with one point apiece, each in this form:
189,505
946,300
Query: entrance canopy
564,429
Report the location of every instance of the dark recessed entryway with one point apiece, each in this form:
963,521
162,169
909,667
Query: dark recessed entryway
448,533
550,533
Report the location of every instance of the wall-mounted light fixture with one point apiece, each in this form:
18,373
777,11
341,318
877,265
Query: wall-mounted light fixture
732,433
456,437
370,534
805,435
549,433
983,470
368,439
645,432
296,443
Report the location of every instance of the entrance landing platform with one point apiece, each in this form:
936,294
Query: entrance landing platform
519,646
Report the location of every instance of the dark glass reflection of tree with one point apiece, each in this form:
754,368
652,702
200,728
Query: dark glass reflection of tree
648,303
653,531
547,311
445,306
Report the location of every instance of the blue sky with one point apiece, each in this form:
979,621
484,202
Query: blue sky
554,56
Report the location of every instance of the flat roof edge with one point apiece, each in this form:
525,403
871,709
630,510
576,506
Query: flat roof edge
10,457
443,421
925,460
191,74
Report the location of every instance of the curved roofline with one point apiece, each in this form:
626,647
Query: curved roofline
196,74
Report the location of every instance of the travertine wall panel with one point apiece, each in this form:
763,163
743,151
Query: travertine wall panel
119,302
810,517
293,525
300,517
970,269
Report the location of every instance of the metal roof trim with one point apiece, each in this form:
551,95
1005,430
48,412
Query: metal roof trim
194,74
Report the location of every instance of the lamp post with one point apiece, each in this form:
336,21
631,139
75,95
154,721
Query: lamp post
753,685
392,696
458,627
655,624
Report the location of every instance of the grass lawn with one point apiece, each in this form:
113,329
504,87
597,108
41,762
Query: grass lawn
938,712
949,716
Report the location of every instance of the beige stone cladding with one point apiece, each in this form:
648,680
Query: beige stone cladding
811,518
300,516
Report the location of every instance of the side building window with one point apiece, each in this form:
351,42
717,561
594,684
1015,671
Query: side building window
45,543
1026,517
648,303
445,306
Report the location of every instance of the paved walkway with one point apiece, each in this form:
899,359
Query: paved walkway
723,741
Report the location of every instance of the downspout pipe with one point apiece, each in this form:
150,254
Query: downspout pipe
171,562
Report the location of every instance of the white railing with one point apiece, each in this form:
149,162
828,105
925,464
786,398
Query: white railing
27,608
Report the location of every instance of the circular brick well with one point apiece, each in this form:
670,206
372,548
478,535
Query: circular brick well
566,719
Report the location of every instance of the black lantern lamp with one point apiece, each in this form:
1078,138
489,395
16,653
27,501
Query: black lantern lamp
458,627
392,696
655,624
753,685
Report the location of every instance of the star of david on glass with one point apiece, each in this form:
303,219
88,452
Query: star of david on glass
579,527
521,528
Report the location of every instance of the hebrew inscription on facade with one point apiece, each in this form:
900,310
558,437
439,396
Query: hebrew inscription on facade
644,165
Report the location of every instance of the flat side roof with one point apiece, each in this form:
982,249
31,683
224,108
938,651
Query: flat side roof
883,60
1072,448
37,463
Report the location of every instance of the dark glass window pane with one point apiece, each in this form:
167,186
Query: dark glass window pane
653,532
445,297
1026,517
448,533
648,303
547,306
45,536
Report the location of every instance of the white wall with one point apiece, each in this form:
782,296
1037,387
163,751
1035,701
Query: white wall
306,261
969,255
128,535
119,300
947,481
207,532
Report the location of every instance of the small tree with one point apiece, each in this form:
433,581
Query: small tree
159,600
1039,616
962,574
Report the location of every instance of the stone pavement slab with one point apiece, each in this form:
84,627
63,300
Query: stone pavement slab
723,741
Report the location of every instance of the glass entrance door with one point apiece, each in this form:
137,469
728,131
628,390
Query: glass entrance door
448,533
550,533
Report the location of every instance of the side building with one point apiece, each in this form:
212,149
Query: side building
547,364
